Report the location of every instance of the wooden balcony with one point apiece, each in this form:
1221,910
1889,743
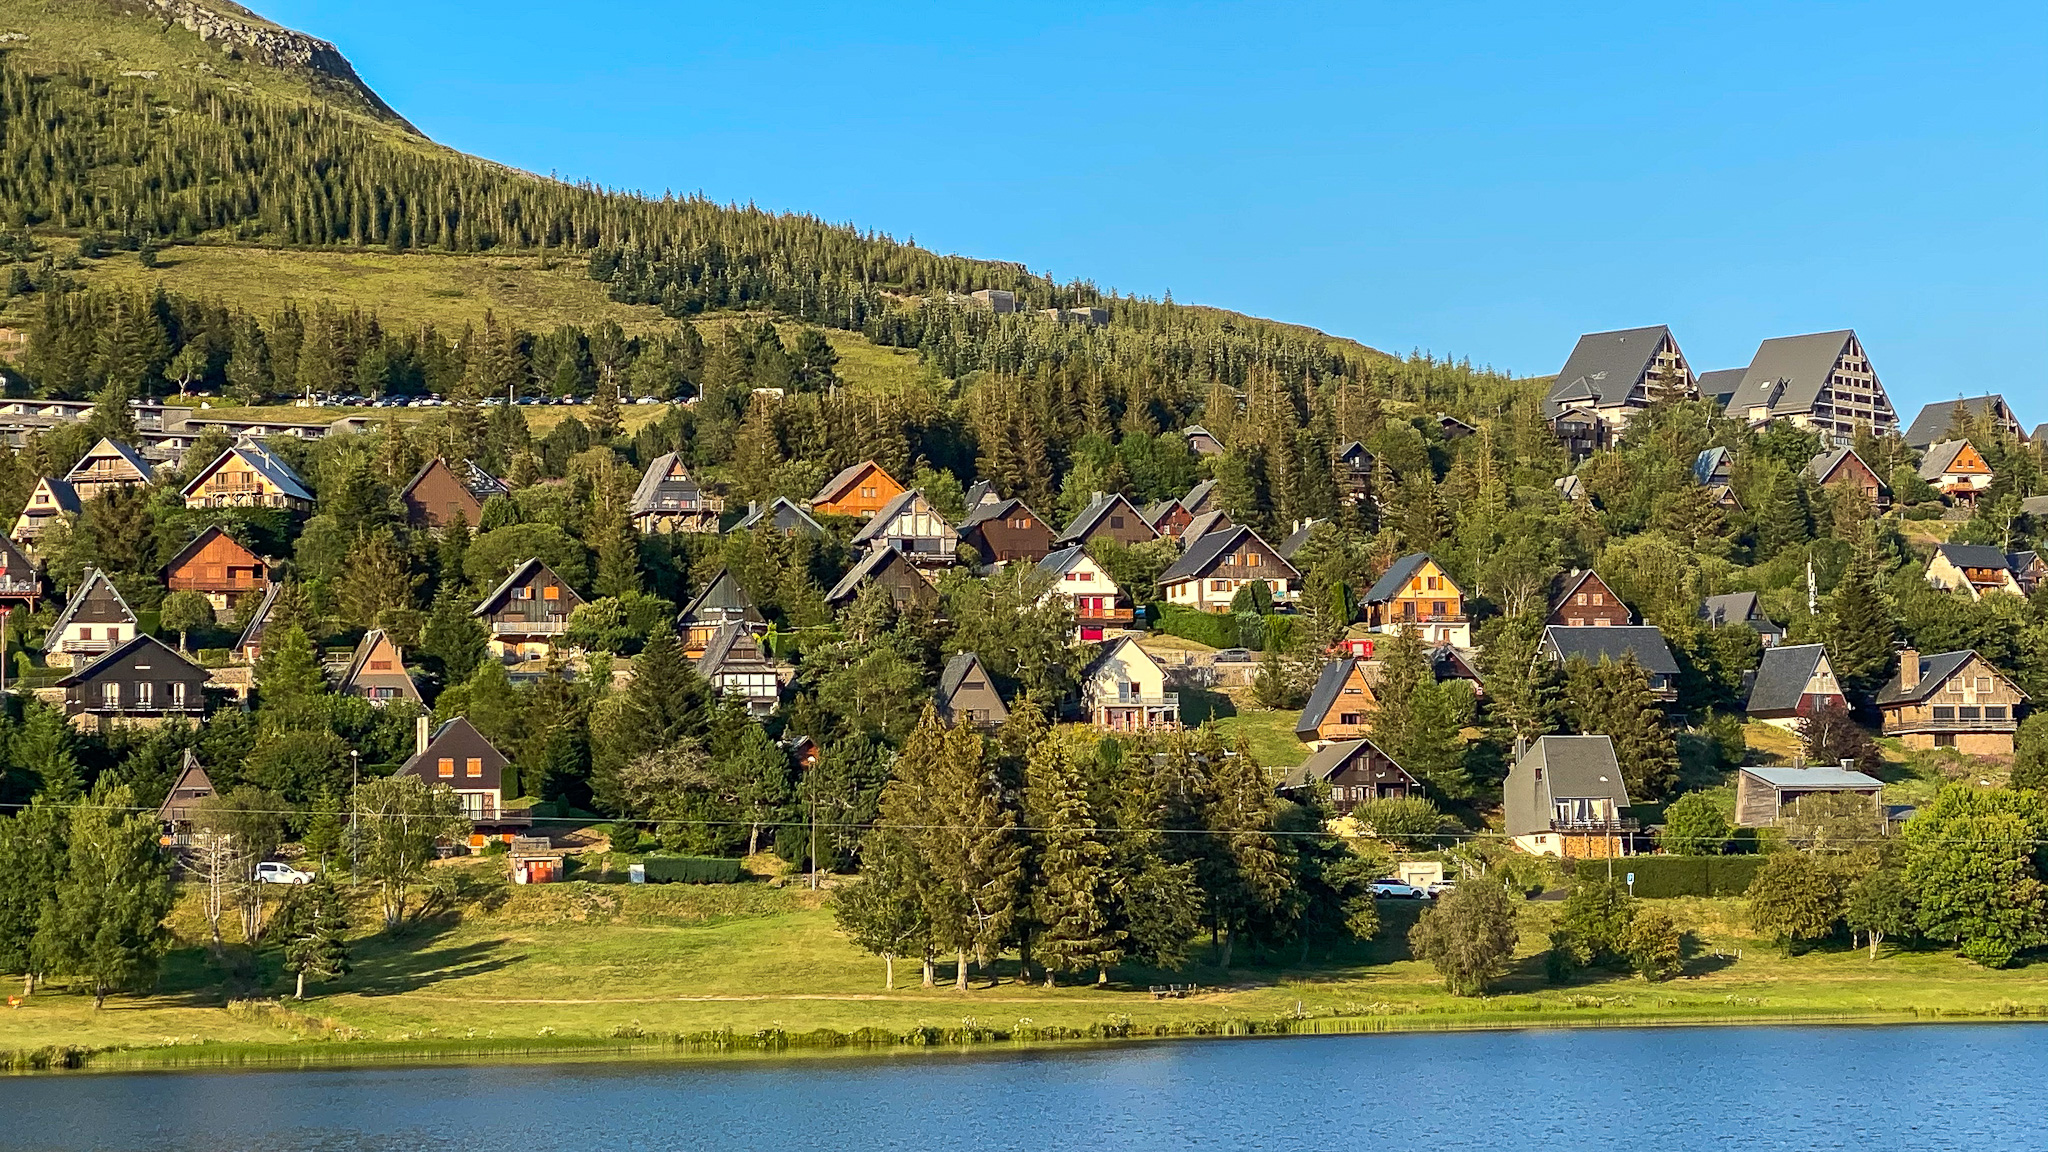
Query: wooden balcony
1104,615
1596,827
1894,727
553,626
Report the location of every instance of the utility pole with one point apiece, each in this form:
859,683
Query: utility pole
355,852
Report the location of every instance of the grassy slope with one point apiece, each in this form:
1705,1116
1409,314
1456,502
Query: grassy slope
586,962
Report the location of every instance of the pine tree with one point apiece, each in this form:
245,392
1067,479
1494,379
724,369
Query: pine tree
313,927
43,748
107,921
33,859
1858,629
1248,882
289,683
976,851
1074,901
666,705
1404,667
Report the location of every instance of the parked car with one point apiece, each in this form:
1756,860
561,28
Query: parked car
1234,656
1440,887
1395,890
278,872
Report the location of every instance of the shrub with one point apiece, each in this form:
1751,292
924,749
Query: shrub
1660,877
1469,937
691,870
1653,946
1217,631
1409,821
1694,826
626,838
1795,898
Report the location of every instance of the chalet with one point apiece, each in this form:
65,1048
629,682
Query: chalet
1580,599
248,476
668,500
1208,575
1611,376
967,696
1581,433
1299,536
1454,428
457,757
1843,468
1974,568
377,671
1107,517
1720,385
910,525
2029,569
1357,773
982,492
736,663
1957,471
783,516
862,490
1098,604
1741,608
249,645
1821,382
218,568
1415,592
1951,700
1340,706
176,813
1572,489
1214,520
889,568
721,602
1712,470
1167,517
50,499
95,620
1200,498
1565,797
1944,419
437,496
527,611
140,681
1561,645
1124,690
1202,441
1763,793
1449,662
1354,465
1793,682
20,582
109,465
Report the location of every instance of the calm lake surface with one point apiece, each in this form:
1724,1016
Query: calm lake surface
1930,1087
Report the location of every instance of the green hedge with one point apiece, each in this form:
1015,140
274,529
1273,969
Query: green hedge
1220,629
1658,877
691,870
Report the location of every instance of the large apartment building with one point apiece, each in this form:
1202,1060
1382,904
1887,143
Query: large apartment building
1822,381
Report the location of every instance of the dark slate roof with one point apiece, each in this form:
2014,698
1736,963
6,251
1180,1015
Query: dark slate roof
646,497
718,652
1604,367
1934,670
722,599
1206,552
1974,556
1708,465
2034,506
259,458
1800,363
1350,447
260,618
1214,520
1738,608
1564,586
1297,538
988,510
783,513
112,656
63,493
1091,518
1781,678
1326,761
93,577
871,563
1059,560
1158,510
878,527
1720,384
981,492
1395,578
1939,457
1201,491
133,458
1594,644
1323,695
1572,767
2038,435
1933,422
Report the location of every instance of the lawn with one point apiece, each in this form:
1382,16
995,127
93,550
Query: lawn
589,963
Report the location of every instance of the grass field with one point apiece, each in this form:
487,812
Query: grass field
590,963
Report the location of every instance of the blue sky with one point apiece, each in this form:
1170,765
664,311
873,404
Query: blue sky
1476,179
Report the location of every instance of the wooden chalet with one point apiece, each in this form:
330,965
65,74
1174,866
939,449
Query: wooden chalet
1354,464
1956,470
437,496
110,464
910,525
1208,575
1125,690
889,568
1167,517
1202,524
966,695
49,500
528,611
1097,603
1110,517
377,671
457,757
1976,569
218,568
861,490
1565,797
249,645
141,681
248,475
1951,700
1003,531
1843,468
1415,592
1449,662
1201,498
94,621
21,582
1763,793
735,662
1612,645
1580,599
721,602
1341,704
1793,682
174,816
2029,568
668,500
1357,773
1742,608
782,516
1201,441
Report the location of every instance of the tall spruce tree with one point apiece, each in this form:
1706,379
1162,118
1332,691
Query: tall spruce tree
1074,898
107,921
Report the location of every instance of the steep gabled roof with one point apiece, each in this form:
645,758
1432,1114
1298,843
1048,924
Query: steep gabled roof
1194,430
198,544
1214,520
1709,466
837,485
1091,518
981,492
1788,372
647,496
1934,420
1158,510
1320,698
266,465
62,494
358,666
192,784
1940,458
1975,556
1396,577
1935,669
1593,644
989,510
1782,677
1605,366
732,641
260,619
871,564
1209,551
1570,767
898,504
1297,538
1198,495
108,446
455,728
1720,384
1060,560
1351,447
1327,760
1824,466
93,578
954,677
777,510
724,597
120,651
521,573
1738,608
1569,583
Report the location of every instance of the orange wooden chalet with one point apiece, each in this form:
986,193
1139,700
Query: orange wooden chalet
219,569
861,490
437,495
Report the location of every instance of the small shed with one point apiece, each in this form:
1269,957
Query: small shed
1762,793
535,860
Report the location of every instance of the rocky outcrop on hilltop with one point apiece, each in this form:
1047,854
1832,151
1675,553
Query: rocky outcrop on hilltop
249,37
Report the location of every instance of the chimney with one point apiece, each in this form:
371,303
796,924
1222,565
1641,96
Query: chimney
1909,669
1521,747
419,735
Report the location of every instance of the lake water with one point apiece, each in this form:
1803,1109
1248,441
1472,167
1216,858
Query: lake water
1977,1087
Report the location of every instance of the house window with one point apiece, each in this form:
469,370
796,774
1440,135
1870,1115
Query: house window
867,493
1969,713
110,694
474,766
1943,713
1984,685
522,593
177,693
551,593
446,766
1582,600
1436,608
145,693
1944,739
1219,585
1350,718
1994,712
380,665
1599,600
1116,521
